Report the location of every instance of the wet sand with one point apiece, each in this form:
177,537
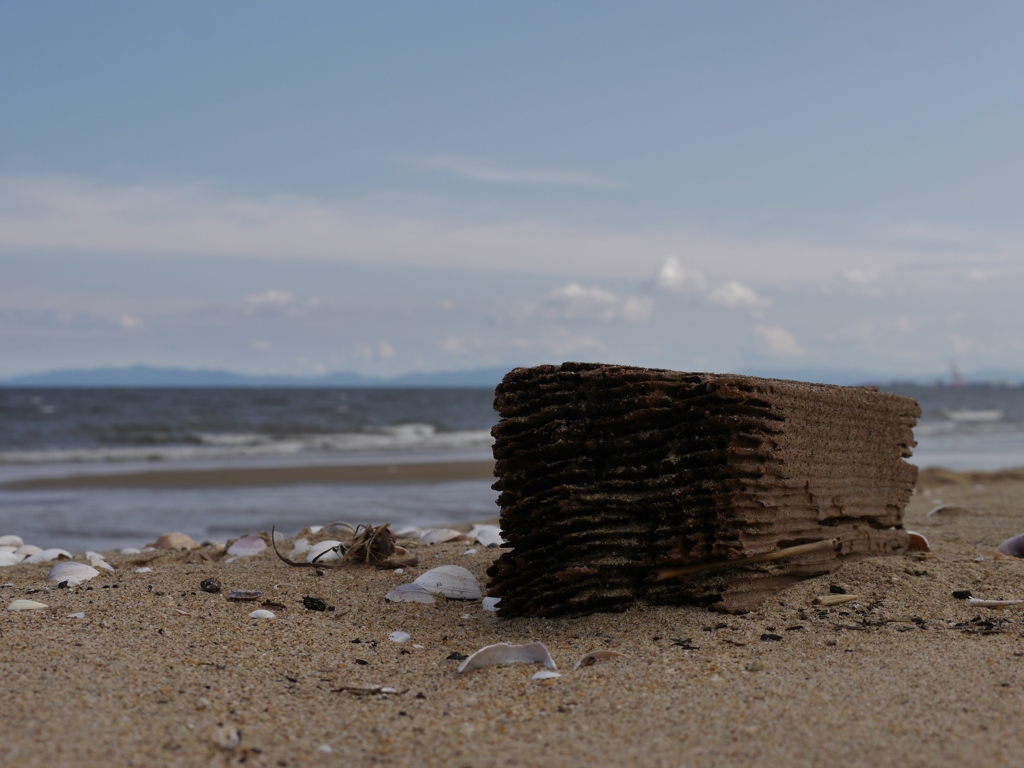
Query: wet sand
425,472
160,673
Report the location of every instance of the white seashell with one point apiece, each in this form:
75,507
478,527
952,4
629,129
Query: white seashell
175,541
79,615
48,555
10,550
593,657
9,558
10,540
441,535
27,550
399,637
421,647
470,551
316,552
226,737
491,603
407,532
409,593
503,653
261,614
315,528
487,535
452,581
96,560
546,674
71,572
247,546
299,548
131,551
399,570
26,605
279,537
915,541
143,570
976,603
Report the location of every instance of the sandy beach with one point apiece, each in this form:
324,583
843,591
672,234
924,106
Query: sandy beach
159,672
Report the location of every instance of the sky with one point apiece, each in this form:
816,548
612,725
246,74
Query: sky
387,187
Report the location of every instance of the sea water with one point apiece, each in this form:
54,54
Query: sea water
59,432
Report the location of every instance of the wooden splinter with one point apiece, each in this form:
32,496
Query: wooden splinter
824,545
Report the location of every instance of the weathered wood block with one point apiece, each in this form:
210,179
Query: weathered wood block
620,484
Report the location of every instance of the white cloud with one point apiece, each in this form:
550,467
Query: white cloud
673,276
379,351
67,214
130,322
271,298
862,277
478,169
735,294
777,341
576,302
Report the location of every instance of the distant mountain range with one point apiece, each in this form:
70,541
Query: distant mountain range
153,376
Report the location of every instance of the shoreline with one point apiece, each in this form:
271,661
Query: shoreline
251,477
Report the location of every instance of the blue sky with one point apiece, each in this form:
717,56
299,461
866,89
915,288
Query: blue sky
387,187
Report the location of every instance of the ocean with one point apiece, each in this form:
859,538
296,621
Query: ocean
61,432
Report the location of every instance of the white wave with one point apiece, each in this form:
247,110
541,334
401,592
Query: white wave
401,437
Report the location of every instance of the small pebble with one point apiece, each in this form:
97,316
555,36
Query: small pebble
962,594
210,585
314,604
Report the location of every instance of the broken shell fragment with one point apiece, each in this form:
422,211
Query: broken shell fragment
175,541
247,546
407,532
593,657
504,653
399,637
546,674
47,556
410,593
452,581
828,600
917,542
1012,547
144,569
71,572
261,614
26,605
441,535
491,603
976,603
324,551
79,615
96,560
487,535
299,548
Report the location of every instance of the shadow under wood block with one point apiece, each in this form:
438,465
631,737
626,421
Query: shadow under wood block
622,484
